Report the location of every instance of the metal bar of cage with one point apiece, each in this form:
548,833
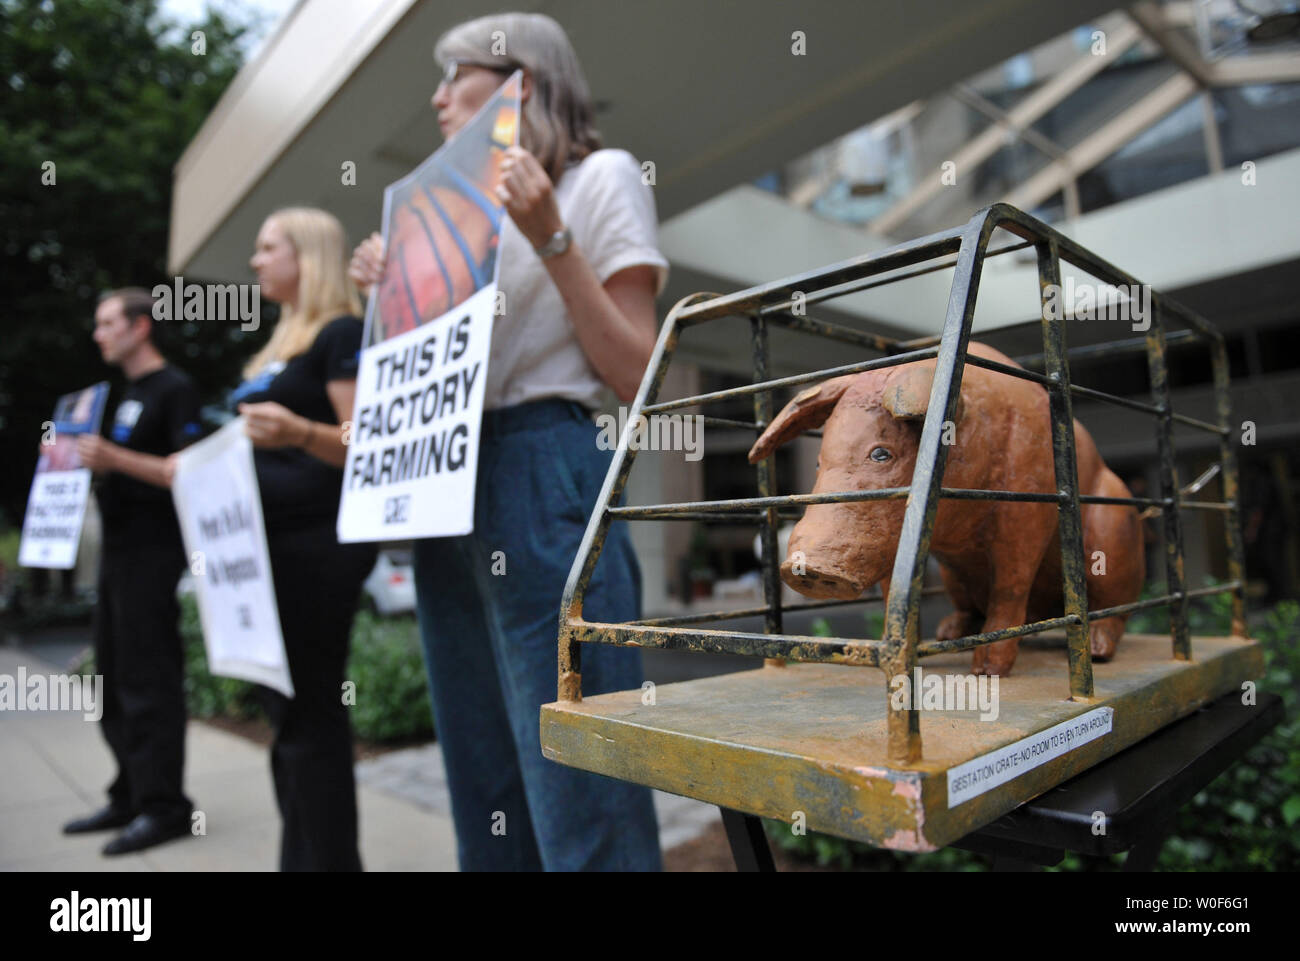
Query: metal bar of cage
745,302
1057,369
766,487
679,619
741,506
899,649
1173,534
1111,348
766,386
855,287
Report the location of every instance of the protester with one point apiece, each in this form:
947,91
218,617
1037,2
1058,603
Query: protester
297,393
580,270
137,641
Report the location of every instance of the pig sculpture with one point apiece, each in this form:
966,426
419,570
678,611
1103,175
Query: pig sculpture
1000,560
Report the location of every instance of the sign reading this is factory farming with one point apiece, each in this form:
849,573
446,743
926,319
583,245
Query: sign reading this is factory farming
56,507
413,451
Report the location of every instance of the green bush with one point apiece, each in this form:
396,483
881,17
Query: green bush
25,613
1248,819
1210,615
391,695
21,610
10,539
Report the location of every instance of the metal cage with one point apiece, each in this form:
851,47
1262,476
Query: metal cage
898,652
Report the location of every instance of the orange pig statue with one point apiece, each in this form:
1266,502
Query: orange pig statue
1000,560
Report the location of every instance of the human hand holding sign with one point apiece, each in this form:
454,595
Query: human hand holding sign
528,196
524,189
367,265
95,452
103,455
269,424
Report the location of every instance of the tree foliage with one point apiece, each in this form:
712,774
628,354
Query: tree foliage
110,93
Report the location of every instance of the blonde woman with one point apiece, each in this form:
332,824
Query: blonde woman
297,391
580,270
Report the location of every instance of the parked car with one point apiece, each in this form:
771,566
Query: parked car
391,585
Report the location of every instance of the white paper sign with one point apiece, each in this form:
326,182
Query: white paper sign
413,449
56,506
220,513
52,525
986,772
415,429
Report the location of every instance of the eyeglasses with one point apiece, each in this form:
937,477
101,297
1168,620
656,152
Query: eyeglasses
452,72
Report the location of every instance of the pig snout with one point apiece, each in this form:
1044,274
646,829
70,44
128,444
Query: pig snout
819,582
823,560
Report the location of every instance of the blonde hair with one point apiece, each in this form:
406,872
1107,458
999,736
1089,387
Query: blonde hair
558,123
324,289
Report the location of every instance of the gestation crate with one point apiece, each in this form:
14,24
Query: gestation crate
810,734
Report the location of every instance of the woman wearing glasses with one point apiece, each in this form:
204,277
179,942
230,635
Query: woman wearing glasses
580,270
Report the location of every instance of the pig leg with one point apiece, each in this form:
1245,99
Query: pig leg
1021,535
998,657
965,618
1115,562
959,624
1103,637
1008,604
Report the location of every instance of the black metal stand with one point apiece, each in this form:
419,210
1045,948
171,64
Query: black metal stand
1126,803
748,842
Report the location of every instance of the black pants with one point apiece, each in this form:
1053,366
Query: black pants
138,652
317,585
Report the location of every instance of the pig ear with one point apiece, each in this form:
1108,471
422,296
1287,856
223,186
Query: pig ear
807,411
908,397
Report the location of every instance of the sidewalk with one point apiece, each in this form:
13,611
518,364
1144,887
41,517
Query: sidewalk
56,766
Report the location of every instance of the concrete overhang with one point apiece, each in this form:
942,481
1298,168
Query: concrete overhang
1185,236
1193,232
710,92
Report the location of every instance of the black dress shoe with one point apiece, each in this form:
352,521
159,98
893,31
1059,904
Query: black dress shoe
102,820
145,831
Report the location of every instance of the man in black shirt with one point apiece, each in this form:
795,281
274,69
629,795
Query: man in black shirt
137,642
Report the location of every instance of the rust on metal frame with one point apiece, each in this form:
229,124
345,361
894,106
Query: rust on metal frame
901,647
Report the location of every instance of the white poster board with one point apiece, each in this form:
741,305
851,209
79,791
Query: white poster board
413,449
220,512
56,506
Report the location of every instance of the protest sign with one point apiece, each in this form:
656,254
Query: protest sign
413,447
220,513
56,506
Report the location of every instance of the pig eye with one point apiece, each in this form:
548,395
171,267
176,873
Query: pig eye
879,454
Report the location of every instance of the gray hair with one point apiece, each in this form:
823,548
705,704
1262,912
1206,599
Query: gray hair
558,126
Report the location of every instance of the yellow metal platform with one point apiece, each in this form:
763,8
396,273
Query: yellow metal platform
810,738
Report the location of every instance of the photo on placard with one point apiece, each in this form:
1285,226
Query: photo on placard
442,224
77,413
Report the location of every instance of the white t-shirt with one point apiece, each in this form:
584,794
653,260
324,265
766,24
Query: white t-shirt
535,353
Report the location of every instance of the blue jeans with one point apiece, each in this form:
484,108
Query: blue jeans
489,607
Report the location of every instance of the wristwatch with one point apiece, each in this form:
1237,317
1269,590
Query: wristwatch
557,245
